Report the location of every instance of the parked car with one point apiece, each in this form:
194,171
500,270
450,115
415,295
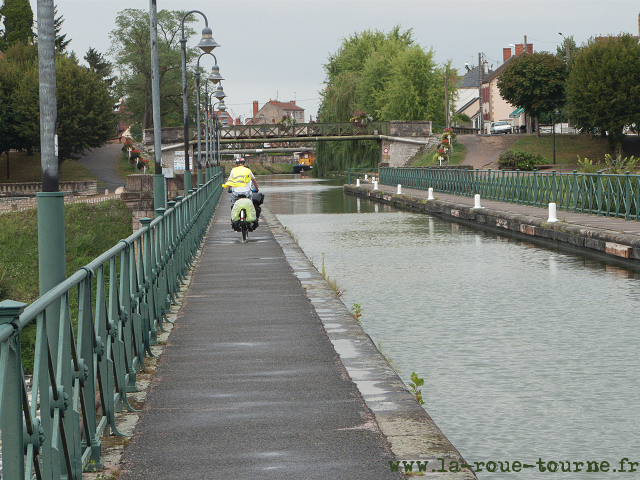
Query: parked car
500,127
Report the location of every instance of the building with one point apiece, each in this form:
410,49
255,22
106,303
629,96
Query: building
468,101
494,107
273,111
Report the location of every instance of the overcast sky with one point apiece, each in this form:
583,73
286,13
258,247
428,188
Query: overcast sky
275,49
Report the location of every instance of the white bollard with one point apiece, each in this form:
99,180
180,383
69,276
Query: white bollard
552,213
357,182
477,201
399,189
375,185
430,194
365,177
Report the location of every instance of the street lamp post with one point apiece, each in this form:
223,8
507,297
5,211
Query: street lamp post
159,197
222,108
207,43
214,77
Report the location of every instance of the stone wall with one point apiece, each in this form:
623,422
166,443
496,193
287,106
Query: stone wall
20,204
24,189
138,194
397,153
169,135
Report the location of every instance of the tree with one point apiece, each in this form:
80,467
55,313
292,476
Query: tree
131,48
603,88
387,76
85,116
61,42
18,23
100,65
534,81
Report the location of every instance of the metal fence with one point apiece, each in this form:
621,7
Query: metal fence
86,358
594,193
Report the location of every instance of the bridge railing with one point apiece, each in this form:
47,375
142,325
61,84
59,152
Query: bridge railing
594,193
304,130
87,357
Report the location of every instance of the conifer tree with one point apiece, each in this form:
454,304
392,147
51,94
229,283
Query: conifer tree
18,23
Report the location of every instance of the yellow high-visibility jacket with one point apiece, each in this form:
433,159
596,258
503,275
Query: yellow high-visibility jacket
238,177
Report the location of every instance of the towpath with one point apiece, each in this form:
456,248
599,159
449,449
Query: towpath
267,375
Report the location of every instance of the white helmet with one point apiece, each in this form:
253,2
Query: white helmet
240,161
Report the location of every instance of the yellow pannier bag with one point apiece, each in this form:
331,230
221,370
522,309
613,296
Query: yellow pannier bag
248,206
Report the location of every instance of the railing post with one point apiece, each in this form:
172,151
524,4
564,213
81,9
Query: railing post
554,187
627,196
599,193
348,176
13,447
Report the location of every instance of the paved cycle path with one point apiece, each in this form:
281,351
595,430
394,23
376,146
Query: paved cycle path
249,384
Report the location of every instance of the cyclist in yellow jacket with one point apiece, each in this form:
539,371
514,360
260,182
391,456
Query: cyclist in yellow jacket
239,182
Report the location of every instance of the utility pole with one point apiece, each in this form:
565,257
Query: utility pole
480,91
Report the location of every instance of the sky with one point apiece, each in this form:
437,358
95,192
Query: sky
276,49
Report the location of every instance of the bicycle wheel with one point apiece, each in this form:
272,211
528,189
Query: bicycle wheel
243,225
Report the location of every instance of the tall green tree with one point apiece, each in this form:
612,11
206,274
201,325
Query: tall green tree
535,82
85,107
131,49
61,41
603,88
388,77
100,65
18,23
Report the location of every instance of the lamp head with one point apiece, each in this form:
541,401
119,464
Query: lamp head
207,43
221,106
215,76
219,92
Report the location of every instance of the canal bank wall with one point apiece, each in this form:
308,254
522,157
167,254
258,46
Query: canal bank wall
614,244
415,440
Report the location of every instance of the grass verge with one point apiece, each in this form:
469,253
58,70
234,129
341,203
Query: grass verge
27,168
271,168
85,236
431,159
568,148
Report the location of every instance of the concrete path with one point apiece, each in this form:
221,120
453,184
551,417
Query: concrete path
249,384
102,162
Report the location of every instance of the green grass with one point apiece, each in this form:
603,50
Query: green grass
431,159
90,230
568,148
27,168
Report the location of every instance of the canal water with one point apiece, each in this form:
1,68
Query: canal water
527,352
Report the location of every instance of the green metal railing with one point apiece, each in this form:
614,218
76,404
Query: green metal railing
85,364
594,193
360,173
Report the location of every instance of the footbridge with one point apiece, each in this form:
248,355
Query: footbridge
398,140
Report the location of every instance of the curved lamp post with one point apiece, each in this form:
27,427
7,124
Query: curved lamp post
215,138
214,78
207,43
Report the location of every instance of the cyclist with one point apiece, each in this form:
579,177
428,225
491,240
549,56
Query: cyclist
239,182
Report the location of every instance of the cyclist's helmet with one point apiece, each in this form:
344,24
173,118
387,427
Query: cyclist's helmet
240,161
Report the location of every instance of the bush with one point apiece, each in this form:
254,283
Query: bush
520,160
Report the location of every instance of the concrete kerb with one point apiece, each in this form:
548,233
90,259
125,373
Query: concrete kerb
612,243
410,431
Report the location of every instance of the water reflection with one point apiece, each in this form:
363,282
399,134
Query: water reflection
526,352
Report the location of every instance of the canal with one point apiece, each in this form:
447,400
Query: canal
527,352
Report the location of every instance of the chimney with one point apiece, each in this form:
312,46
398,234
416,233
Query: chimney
293,102
485,67
506,54
529,47
255,108
238,121
519,48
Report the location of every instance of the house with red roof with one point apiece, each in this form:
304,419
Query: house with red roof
274,110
